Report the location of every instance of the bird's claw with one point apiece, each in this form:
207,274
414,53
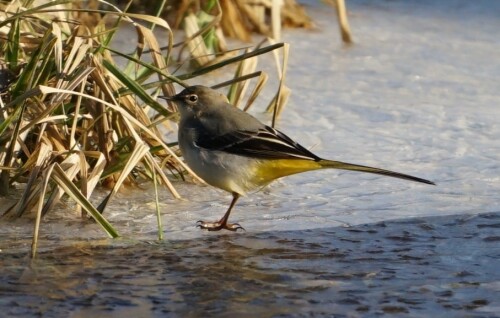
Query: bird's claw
217,226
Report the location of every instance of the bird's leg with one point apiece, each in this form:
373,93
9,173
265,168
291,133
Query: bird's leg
222,223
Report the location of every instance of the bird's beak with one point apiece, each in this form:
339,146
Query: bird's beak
173,106
169,98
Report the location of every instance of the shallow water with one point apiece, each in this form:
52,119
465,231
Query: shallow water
428,267
417,93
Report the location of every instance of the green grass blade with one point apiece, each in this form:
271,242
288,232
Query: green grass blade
12,52
238,58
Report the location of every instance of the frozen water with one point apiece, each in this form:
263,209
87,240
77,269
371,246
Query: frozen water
417,93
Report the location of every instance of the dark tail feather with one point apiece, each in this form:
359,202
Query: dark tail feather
353,167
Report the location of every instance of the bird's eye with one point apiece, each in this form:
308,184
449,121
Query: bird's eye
193,98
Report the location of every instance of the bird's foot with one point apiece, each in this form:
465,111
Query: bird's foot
217,226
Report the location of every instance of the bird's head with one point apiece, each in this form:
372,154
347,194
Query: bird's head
194,99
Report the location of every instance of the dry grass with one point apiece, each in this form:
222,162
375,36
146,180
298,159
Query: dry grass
71,120
241,18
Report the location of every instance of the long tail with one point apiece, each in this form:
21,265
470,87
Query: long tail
352,167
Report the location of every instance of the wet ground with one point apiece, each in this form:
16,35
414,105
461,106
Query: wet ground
429,267
417,93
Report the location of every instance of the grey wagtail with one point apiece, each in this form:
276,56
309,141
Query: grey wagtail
233,151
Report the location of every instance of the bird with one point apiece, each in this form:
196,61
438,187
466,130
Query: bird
232,150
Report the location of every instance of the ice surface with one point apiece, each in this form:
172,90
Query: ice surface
417,93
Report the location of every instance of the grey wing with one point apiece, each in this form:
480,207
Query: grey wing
265,142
